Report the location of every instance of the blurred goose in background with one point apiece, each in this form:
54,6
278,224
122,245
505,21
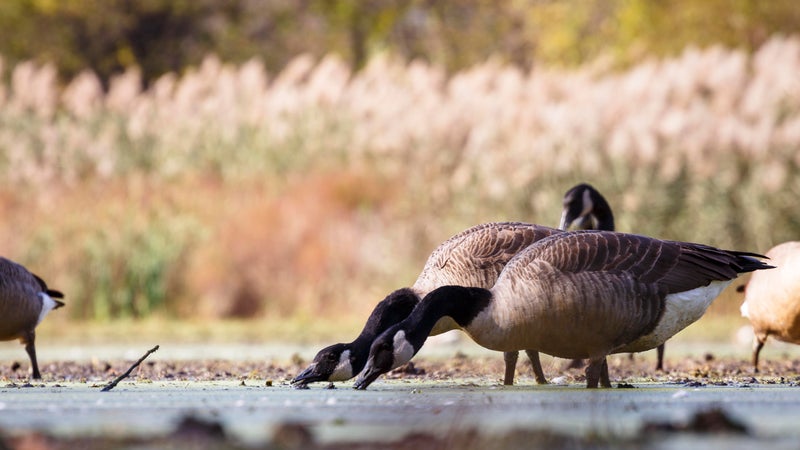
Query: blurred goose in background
772,299
582,294
25,300
474,257
586,209
340,362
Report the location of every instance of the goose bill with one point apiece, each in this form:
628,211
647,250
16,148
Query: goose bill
310,375
366,378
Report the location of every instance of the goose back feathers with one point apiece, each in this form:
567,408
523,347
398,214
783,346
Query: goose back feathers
581,294
476,257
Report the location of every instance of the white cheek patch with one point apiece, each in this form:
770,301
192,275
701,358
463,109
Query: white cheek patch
343,370
47,305
403,350
588,204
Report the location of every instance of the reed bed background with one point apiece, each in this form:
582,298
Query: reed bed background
227,191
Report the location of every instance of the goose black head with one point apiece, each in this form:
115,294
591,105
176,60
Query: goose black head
332,363
390,350
586,209
340,362
399,343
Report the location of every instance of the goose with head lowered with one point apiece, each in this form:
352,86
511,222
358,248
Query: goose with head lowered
25,300
581,294
474,257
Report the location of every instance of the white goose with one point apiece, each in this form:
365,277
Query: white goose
583,294
772,299
25,300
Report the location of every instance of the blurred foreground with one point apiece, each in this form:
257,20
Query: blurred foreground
703,399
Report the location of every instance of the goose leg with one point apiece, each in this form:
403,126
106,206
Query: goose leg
28,339
660,362
511,366
536,365
605,380
594,371
758,344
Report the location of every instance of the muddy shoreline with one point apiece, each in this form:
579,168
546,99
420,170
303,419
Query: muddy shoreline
435,403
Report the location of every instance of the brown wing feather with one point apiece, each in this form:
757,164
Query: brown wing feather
673,266
475,257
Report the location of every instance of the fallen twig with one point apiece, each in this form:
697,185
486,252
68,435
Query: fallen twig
111,385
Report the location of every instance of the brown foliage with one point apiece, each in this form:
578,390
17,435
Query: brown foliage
278,253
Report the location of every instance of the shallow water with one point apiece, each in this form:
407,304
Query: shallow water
465,397
390,410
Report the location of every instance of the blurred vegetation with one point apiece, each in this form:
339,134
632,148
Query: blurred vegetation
202,159
229,191
162,36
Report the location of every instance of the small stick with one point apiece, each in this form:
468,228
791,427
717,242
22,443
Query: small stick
111,385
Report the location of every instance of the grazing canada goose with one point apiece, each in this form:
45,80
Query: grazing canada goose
581,294
24,302
772,299
586,209
474,257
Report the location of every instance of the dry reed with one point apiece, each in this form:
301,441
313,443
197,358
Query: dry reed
231,191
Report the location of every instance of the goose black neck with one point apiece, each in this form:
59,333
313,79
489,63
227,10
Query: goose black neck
602,211
462,304
390,311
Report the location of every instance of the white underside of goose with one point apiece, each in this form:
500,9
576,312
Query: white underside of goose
681,310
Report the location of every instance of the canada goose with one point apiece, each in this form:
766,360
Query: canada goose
586,209
24,302
581,294
772,299
474,257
